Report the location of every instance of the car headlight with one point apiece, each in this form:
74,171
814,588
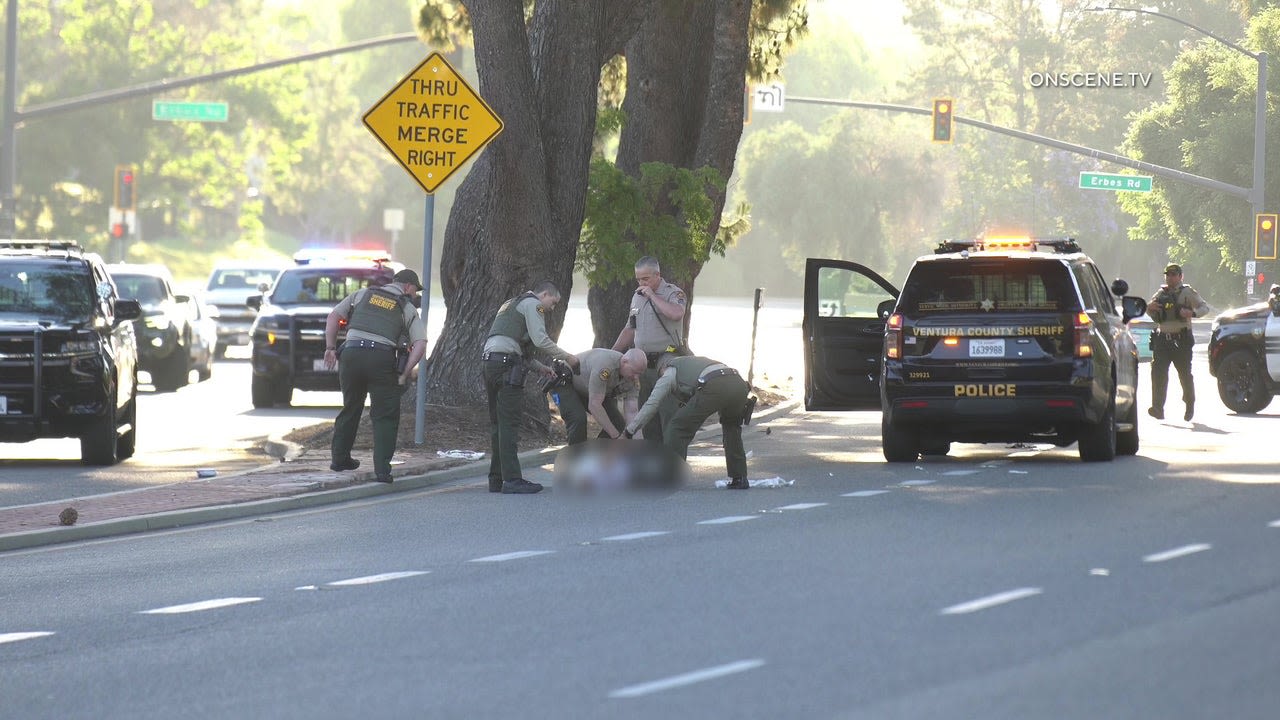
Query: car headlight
157,322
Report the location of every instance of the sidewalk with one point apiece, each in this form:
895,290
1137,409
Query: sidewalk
297,481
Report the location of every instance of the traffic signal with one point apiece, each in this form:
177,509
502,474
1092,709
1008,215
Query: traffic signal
942,112
1264,236
125,196
117,230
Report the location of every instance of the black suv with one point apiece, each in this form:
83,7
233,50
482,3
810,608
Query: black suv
1244,354
68,354
287,338
164,330
994,340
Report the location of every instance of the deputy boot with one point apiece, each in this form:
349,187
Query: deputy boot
1191,410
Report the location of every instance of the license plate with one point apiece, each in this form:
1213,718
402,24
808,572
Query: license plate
986,348
318,366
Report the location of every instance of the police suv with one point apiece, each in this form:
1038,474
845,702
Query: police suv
992,340
1244,355
287,338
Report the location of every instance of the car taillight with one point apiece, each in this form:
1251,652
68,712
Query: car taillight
893,337
1084,328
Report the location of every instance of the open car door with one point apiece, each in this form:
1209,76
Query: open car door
843,334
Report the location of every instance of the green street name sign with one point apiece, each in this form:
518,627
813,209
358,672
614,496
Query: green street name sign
188,111
1123,183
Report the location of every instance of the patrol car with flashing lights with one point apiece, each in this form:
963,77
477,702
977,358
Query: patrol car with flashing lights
991,340
1244,355
287,338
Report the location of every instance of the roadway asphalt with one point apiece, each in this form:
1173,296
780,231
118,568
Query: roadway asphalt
297,481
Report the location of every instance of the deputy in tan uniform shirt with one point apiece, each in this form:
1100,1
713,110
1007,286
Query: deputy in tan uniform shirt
655,326
605,375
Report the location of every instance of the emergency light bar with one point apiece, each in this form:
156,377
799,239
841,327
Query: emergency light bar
1009,244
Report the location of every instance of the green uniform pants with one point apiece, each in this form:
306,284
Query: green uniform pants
1176,350
505,400
573,410
368,372
726,394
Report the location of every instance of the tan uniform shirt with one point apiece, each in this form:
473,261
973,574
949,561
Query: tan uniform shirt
417,329
535,321
1169,319
601,372
650,334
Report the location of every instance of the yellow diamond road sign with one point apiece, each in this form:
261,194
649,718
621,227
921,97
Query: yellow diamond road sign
432,122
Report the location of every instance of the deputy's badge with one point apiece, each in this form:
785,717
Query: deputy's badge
604,374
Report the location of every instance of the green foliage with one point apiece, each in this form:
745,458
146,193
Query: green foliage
670,207
776,26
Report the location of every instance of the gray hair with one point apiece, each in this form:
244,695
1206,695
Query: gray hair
648,262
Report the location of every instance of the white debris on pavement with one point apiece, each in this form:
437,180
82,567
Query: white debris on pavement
460,454
773,482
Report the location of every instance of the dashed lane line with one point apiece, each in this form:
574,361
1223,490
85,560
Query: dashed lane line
727,520
914,483
20,636
865,493
689,678
518,555
1177,552
1274,523
382,577
200,606
636,535
802,506
991,601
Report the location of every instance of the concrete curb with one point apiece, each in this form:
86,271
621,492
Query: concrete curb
280,448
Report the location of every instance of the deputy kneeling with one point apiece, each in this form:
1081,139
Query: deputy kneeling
704,386
377,319
604,376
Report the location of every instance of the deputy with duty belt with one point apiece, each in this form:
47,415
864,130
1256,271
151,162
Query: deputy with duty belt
703,386
605,376
1173,306
519,327
377,319
655,326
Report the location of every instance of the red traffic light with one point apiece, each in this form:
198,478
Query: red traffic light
123,186
117,230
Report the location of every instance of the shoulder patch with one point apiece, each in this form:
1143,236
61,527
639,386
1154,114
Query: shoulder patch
541,310
678,298
604,374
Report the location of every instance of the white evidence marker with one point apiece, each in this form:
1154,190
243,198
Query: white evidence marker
686,679
200,606
991,601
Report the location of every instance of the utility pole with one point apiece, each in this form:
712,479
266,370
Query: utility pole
13,116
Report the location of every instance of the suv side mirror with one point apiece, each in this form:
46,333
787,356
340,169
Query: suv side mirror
182,298
125,309
885,308
254,301
1133,307
1119,287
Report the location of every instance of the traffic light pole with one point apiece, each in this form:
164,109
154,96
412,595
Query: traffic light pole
13,116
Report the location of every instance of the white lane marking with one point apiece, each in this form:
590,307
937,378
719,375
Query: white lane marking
371,579
801,506
865,493
518,555
991,601
637,535
961,472
727,520
308,587
1274,523
199,606
690,678
910,483
18,636
1176,552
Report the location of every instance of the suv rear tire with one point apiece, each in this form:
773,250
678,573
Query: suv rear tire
898,444
1241,385
1098,441
261,390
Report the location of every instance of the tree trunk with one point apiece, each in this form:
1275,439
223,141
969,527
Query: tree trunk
517,217
685,72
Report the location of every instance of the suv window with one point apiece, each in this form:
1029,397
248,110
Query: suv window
236,278
323,285
985,285
1094,289
54,289
146,289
